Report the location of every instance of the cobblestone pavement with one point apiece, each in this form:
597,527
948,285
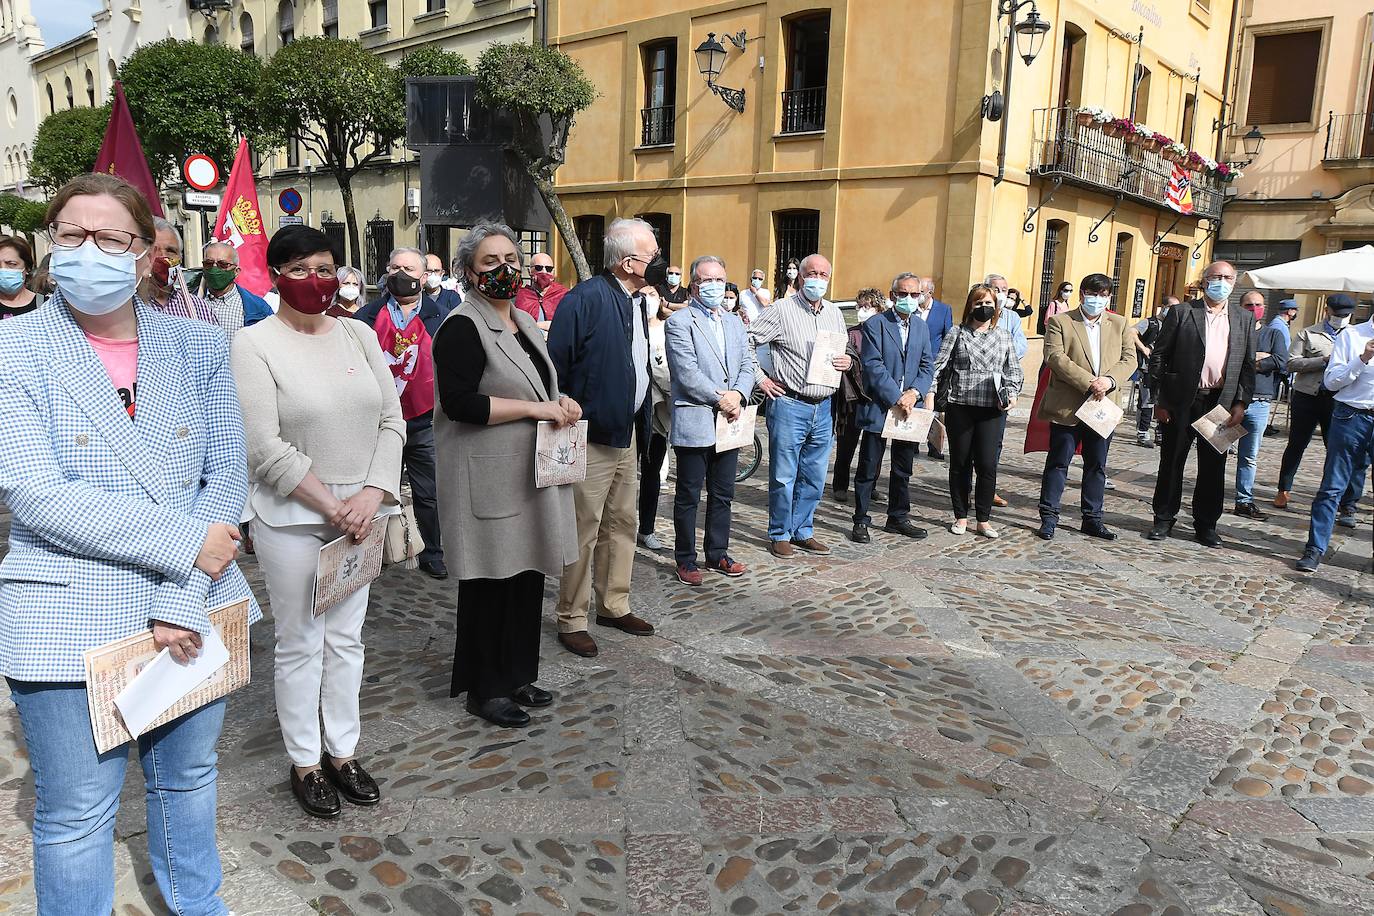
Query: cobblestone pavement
954,726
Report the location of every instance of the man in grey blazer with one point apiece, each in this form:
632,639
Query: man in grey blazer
712,370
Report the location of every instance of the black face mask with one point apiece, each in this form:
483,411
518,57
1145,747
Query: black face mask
983,312
402,285
656,271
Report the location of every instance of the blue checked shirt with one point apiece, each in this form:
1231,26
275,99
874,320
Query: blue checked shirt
110,512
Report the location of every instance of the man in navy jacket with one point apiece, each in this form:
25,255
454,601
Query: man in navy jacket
898,367
599,343
939,319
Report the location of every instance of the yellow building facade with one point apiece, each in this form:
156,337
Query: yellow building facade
862,137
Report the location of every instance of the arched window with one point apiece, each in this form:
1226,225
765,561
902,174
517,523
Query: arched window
90,88
211,34
286,22
246,31
1121,270
71,94
52,103
1071,68
114,70
1141,96
1052,264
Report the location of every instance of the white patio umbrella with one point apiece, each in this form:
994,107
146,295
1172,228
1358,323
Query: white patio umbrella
1349,271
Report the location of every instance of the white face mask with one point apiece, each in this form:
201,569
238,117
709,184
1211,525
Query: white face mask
866,313
1002,299
92,281
674,279
349,293
791,273
756,282
1340,321
449,283
434,281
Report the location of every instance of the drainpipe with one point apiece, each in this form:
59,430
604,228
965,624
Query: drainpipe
1009,53
1226,81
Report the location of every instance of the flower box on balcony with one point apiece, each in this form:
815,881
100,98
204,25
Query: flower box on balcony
1150,145
1113,129
1084,118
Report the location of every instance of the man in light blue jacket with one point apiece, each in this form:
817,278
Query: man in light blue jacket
712,369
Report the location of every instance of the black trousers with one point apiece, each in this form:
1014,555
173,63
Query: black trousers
1144,408
651,454
697,468
1064,441
975,443
417,460
898,479
1209,491
845,444
496,649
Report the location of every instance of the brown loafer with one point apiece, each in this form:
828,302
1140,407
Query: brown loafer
627,623
783,550
1281,500
811,545
998,501
579,643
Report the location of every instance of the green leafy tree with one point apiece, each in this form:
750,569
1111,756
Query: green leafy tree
540,88
21,214
192,98
430,60
66,145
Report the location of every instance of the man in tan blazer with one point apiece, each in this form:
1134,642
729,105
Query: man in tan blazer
1091,354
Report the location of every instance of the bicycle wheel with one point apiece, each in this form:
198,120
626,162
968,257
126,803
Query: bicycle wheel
749,458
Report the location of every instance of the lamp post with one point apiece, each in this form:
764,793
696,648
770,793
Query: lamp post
1252,141
1029,35
710,60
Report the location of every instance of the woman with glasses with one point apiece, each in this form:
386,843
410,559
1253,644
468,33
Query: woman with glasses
325,435
978,379
125,502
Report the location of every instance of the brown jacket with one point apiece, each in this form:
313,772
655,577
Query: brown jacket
1070,361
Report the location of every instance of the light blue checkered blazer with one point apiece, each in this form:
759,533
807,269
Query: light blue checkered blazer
109,513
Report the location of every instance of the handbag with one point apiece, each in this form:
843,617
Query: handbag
403,543
941,386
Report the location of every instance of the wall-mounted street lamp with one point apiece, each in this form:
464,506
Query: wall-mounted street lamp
711,59
1252,141
1029,35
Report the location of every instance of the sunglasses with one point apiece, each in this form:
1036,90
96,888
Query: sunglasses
540,269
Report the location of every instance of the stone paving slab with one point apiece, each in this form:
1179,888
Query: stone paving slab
968,726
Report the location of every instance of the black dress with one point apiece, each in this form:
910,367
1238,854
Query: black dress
496,647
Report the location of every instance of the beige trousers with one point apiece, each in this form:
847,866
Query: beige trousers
606,526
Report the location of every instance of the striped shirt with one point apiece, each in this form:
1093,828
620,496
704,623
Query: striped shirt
978,369
789,327
181,306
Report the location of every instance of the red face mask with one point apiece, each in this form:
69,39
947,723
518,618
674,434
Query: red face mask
309,295
541,280
162,271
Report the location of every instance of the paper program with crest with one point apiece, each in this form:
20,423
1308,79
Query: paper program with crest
914,426
820,371
737,433
344,567
1101,415
112,667
560,455
1211,426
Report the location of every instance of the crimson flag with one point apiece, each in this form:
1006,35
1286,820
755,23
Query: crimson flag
121,154
240,224
1037,430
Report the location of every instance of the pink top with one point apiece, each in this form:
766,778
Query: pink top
1218,341
120,358
1055,308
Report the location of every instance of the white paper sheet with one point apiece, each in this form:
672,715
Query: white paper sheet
820,371
1102,416
1210,427
164,681
914,426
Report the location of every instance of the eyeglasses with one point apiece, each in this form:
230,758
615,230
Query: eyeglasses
219,265
1229,277
540,269
640,257
110,241
300,271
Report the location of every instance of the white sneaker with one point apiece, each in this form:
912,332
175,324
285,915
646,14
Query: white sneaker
959,527
649,541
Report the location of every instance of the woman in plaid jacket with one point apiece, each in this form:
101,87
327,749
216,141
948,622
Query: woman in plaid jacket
122,462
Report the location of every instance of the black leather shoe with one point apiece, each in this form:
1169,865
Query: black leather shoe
532,696
933,455
500,711
352,782
1045,532
840,496
905,528
1250,510
1099,531
859,534
1207,537
1160,531
316,796
434,568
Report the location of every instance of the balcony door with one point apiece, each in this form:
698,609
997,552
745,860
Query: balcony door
1168,272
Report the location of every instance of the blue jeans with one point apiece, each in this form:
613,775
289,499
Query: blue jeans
1347,448
1247,449
799,438
78,795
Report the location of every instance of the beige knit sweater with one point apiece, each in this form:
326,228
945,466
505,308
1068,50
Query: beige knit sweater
318,402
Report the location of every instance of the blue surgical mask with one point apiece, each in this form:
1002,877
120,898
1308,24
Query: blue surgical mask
92,281
815,288
11,281
756,282
1219,290
711,292
1095,305
905,305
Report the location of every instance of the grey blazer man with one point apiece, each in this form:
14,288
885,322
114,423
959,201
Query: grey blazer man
700,370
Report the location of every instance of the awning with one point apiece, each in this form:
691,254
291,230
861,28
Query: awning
1349,271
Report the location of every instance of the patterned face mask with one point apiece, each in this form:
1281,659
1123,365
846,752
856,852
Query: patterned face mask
501,282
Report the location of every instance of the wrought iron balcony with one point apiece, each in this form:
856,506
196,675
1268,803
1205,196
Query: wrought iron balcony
803,110
657,126
1082,155
1348,137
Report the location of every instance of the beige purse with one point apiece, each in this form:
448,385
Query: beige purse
403,542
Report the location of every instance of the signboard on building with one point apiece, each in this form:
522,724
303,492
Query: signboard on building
1138,298
289,220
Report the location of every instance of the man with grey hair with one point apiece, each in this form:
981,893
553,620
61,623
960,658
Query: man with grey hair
599,343
235,307
405,321
164,288
712,373
799,420
1010,320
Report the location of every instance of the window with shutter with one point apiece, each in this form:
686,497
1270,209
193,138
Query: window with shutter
1283,77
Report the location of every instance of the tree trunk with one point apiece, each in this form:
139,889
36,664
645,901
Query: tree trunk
565,226
355,251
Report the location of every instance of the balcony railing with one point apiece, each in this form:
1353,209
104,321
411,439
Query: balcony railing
657,126
803,110
1083,155
1348,136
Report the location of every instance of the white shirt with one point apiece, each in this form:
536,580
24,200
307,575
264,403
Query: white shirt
1094,332
749,304
904,325
1348,375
